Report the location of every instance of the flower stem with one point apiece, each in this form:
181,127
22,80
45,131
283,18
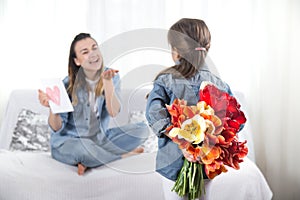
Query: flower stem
190,181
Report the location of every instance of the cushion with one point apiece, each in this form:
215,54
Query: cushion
31,132
150,145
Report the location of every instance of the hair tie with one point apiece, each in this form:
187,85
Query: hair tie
200,49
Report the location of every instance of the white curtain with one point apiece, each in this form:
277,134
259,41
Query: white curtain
254,47
275,94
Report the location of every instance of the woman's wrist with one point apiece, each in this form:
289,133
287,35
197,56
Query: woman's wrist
55,121
107,81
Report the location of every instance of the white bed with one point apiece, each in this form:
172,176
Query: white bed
35,175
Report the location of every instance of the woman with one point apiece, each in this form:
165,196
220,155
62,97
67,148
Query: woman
82,137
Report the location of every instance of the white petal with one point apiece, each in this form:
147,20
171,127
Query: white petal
174,132
186,122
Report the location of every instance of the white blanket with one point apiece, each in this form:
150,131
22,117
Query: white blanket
36,176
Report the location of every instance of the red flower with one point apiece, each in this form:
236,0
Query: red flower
234,153
225,106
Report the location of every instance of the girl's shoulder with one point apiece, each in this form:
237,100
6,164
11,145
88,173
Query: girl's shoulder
164,79
206,75
168,80
165,76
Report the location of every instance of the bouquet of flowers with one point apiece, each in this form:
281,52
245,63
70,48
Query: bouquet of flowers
208,131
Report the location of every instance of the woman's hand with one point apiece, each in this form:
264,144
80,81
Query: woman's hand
109,74
44,98
54,120
112,102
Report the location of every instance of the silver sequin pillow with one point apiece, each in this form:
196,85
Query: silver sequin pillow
31,132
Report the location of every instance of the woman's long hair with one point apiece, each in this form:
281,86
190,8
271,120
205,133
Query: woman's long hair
184,37
76,74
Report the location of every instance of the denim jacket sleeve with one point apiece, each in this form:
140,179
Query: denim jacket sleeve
117,86
64,118
156,111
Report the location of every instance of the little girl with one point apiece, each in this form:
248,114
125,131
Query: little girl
82,137
190,42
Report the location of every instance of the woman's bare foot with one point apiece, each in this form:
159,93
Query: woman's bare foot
81,169
133,152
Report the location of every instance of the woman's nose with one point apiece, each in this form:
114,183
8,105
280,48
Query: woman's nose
92,54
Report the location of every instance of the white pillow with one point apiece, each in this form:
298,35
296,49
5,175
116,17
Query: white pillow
150,145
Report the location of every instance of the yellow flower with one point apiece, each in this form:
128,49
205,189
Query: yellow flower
205,109
192,130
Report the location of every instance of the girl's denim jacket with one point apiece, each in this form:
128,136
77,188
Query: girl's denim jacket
166,88
76,124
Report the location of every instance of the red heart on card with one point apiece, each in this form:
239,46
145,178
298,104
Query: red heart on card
54,94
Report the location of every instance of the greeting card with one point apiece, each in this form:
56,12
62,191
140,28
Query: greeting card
59,101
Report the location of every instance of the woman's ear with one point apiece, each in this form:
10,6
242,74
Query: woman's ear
77,62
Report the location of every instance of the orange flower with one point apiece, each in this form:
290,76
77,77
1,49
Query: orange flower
209,154
214,169
182,143
195,151
176,112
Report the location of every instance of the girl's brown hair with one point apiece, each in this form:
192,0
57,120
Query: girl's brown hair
76,74
184,37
